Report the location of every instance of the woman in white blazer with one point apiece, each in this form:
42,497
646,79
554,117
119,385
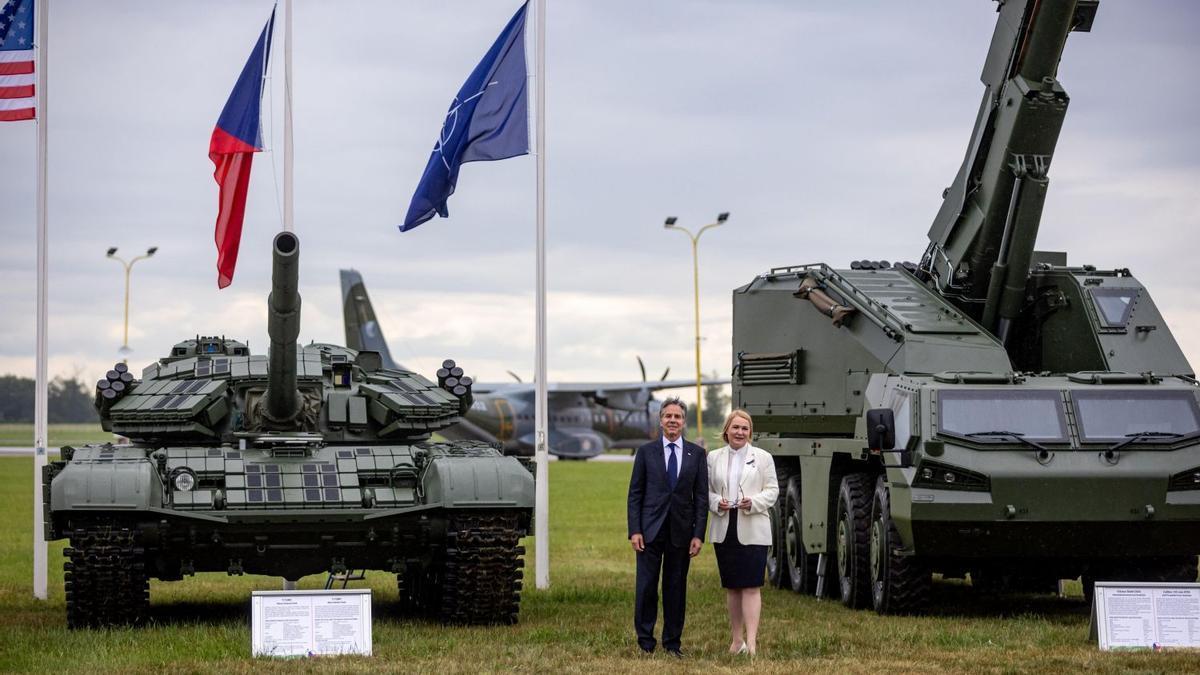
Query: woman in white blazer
741,489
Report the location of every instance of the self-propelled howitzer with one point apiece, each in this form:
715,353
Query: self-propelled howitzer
990,413
310,460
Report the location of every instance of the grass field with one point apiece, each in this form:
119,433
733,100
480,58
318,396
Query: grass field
21,435
583,623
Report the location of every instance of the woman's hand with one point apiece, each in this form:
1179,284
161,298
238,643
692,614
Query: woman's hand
724,506
744,504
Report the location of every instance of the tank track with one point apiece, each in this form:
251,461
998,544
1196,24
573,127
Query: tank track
481,581
105,578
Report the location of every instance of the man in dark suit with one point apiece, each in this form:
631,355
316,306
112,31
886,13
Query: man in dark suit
668,511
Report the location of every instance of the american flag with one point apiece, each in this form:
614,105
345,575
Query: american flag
16,60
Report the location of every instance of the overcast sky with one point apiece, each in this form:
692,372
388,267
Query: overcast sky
827,129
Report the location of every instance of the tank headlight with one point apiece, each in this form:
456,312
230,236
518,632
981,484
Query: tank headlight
184,480
948,477
927,474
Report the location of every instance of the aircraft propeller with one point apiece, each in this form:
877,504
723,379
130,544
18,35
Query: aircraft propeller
642,367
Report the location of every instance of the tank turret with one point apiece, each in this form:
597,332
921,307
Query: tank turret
283,327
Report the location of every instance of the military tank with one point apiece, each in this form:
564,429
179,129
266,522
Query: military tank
990,412
308,460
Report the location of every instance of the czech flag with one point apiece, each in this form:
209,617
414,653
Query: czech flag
236,138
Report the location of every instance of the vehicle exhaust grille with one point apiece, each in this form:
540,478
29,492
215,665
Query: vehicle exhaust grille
779,368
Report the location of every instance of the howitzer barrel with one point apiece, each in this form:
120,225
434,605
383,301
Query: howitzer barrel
982,240
283,327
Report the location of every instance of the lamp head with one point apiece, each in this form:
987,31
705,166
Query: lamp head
111,252
670,221
150,251
722,217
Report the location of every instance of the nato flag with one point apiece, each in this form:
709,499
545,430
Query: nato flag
488,120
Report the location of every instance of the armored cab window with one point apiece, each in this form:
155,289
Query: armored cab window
1116,415
979,414
901,406
1114,305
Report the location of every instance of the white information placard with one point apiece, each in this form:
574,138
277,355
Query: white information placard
1146,615
310,623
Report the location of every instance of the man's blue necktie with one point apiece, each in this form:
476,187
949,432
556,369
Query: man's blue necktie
672,467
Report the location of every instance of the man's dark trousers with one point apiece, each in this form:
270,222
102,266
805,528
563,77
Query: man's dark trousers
668,519
674,562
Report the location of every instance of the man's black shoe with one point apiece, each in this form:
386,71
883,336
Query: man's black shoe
677,653
646,650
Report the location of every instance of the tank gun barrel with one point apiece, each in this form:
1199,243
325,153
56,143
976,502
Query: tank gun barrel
283,327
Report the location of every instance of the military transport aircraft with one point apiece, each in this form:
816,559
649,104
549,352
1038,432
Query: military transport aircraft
585,418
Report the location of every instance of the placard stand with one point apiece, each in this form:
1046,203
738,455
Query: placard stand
310,623
1145,615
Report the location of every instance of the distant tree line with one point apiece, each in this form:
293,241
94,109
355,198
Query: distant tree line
716,402
70,400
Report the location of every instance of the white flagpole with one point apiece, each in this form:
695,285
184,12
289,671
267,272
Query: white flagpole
41,393
541,505
288,158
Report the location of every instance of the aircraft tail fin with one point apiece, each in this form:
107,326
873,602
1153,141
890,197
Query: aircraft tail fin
362,329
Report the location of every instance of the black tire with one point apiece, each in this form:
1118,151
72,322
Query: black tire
852,537
802,566
777,570
900,584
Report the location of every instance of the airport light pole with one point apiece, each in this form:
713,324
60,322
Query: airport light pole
670,225
112,253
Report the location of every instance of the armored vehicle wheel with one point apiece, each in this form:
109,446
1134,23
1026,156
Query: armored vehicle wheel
802,566
482,570
105,578
900,584
853,540
777,566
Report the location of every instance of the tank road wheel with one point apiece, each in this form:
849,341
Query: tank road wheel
105,578
777,567
853,525
900,584
481,582
801,565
